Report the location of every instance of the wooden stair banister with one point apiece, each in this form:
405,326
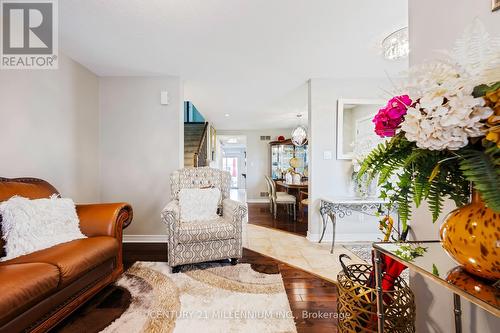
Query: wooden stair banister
201,152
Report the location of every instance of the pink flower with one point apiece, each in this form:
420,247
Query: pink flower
388,119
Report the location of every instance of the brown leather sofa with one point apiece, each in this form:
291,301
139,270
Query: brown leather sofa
39,289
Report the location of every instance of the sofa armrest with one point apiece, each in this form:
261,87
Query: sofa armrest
104,219
234,211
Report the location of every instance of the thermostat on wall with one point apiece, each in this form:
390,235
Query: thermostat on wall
164,97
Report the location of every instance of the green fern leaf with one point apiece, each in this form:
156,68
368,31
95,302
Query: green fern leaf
435,199
482,168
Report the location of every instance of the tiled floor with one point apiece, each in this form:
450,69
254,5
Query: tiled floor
296,251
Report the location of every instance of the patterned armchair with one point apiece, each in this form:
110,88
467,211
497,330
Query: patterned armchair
200,241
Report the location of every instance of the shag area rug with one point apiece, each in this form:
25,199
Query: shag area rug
211,297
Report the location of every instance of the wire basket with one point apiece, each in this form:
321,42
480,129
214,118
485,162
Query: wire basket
357,305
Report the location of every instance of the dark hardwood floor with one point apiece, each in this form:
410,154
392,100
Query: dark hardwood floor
310,297
259,214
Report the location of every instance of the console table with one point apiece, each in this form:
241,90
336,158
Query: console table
439,268
331,208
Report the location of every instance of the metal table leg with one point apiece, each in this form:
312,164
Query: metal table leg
378,287
334,221
324,219
457,309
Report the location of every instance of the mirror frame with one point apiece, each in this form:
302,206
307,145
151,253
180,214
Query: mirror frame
341,155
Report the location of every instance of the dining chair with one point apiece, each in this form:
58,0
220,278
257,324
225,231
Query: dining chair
269,193
269,183
283,198
303,203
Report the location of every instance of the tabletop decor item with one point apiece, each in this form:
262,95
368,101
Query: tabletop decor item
356,304
437,268
296,178
444,132
294,162
470,236
480,288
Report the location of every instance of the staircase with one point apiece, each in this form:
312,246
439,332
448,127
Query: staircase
195,144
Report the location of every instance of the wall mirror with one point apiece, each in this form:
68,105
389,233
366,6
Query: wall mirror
355,128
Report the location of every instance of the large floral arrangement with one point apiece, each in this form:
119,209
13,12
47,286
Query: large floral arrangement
444,130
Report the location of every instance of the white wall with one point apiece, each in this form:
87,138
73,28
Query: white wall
435,25
258,157
430,31
95,139
332,178
50,127
139,145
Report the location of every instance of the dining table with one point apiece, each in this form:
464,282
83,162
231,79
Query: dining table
296,186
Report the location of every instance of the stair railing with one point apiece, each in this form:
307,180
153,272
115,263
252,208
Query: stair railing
200,156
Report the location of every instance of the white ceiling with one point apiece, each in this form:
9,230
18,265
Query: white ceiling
248,58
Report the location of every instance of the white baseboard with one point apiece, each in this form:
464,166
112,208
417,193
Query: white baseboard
343,238
145,238
263,200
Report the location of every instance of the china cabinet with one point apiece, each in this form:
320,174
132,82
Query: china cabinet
282,153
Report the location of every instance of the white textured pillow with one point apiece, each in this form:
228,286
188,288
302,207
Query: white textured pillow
33,225
198,204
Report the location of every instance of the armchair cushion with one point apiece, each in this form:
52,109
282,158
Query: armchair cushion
198,204
204,231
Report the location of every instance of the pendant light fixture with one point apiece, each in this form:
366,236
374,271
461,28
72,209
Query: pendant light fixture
396,45
299,134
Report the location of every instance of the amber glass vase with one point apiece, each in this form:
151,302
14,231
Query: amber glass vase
471,235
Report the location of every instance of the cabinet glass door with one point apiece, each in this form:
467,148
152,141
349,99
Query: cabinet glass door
275,173
281,154
301,155
286,154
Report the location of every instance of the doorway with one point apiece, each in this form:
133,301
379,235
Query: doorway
233,164
234,160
